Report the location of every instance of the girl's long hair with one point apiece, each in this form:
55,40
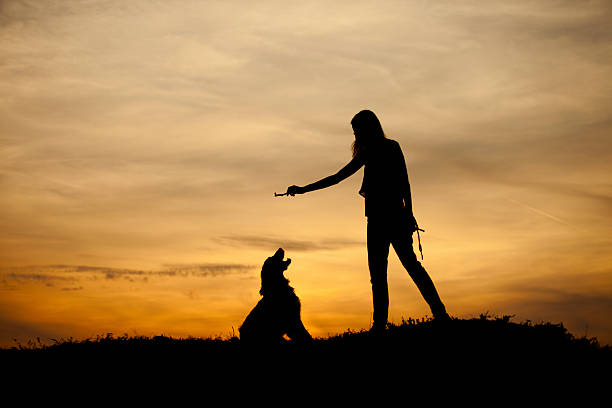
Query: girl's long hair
368,131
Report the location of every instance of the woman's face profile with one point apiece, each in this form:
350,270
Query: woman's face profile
357,132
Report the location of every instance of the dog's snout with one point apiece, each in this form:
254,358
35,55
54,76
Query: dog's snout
280,253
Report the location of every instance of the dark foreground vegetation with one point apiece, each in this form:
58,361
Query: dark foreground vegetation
484,340
460,359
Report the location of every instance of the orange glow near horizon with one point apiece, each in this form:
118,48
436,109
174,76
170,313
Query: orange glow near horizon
141,145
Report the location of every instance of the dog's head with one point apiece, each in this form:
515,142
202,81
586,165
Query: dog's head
276,263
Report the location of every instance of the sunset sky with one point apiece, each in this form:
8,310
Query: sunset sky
141,143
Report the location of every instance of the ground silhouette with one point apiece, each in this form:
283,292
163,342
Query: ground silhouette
489,358
486,357
479,339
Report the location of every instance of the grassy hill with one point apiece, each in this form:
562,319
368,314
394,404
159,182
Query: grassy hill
478,339
488,358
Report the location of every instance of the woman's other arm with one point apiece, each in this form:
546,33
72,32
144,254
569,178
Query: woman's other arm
405,186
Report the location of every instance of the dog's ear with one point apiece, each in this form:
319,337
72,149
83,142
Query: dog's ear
280,254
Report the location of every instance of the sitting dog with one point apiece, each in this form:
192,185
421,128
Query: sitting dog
278,312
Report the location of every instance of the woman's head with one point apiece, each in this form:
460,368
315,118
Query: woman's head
367,130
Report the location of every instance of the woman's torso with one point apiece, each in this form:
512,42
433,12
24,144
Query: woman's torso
384,179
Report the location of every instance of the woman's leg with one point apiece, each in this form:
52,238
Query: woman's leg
378,252
402,243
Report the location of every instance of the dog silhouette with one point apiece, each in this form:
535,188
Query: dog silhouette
278,312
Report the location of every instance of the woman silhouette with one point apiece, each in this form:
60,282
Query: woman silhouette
388,208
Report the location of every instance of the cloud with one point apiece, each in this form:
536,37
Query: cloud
271,243
52,274
204,270
47,279
72,289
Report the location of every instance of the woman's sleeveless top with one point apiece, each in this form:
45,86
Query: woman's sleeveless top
385,179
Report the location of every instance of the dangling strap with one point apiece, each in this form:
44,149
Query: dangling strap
419,237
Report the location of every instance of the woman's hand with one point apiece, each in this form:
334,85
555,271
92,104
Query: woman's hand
293,190
412,222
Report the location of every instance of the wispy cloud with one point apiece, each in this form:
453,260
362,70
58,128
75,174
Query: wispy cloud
204,270
50,275
540,212
72,289
272,242
48,279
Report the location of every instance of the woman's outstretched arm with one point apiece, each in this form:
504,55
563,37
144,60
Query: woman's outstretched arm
345,172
